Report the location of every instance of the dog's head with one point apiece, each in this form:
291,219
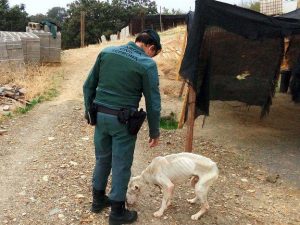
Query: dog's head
134,188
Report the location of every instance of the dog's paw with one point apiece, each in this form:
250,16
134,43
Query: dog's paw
158,214
192,201
195,217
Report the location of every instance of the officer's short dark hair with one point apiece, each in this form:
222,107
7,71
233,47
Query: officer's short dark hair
149,37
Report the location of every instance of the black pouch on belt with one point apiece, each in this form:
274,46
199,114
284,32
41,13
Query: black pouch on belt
136,120
92,115
123,115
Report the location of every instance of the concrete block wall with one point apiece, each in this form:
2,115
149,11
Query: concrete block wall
30,45
50,47
34,46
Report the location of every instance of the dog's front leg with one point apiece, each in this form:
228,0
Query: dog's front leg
167,189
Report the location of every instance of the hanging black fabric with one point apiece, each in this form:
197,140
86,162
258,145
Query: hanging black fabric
292,15
234,53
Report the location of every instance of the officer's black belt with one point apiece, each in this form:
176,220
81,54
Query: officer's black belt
106,110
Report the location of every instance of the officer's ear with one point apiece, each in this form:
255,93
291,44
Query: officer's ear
153,50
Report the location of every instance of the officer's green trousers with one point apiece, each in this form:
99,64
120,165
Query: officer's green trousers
114,148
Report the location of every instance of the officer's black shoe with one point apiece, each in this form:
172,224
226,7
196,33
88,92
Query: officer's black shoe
100,201
120,215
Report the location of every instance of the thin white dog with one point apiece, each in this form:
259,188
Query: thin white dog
175,168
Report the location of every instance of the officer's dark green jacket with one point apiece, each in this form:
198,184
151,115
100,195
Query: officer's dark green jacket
119,78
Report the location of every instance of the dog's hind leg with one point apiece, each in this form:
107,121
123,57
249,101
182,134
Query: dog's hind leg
201,194
201,190
168,190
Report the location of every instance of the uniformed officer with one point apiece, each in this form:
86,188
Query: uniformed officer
117,81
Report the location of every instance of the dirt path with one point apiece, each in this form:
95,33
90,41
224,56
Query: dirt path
28,149
46,162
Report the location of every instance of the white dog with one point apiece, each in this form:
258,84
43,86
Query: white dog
174,168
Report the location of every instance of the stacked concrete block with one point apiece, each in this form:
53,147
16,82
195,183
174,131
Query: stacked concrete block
4,60
34,46
50,47
31,46
34,26
11,51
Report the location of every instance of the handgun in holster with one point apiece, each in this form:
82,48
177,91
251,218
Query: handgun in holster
136,120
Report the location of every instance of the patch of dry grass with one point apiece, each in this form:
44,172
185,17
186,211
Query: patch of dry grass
39,81
36,79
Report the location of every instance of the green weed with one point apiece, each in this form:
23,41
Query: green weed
169,122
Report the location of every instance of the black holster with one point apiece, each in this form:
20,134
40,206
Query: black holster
136,120
133,118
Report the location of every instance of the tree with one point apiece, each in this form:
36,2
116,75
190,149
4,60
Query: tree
14,18
251,4
255,6
97,16
102,18
57,15
148,7
176,12
166,11
4,7
37,18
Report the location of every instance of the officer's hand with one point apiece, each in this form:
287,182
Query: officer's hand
153,142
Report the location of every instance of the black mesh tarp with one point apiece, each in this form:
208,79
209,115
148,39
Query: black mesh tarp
189,20
293,14
234,54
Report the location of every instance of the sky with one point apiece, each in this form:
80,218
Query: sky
33,7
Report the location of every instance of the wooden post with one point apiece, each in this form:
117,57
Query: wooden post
191,120
142,14
160,20
82,28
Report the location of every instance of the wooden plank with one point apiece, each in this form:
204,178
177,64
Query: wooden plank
183,110
181,89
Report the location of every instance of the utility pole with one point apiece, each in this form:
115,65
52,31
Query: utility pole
82,28
298,4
